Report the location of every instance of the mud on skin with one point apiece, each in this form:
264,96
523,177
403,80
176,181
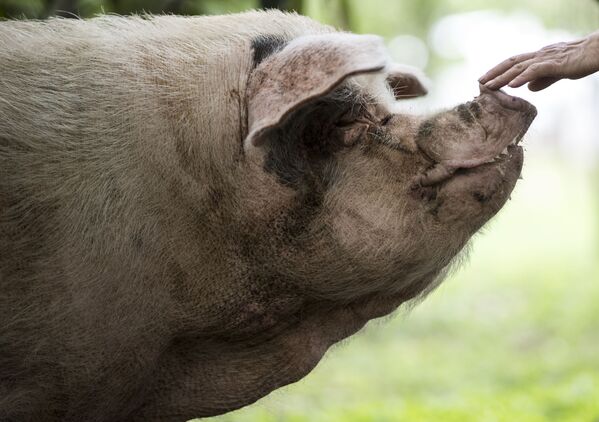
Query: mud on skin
169,250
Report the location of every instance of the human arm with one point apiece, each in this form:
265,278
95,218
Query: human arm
542,68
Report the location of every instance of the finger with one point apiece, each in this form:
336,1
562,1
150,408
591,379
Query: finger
534,71
542,83
503,66
509,74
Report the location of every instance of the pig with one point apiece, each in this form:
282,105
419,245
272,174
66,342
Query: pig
194,209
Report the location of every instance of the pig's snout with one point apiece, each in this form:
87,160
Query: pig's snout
453,141
507,101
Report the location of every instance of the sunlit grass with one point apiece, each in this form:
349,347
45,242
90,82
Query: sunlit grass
512,336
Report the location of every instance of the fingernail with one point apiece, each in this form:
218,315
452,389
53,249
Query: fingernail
490,85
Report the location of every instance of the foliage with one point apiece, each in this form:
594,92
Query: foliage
88,8
384,17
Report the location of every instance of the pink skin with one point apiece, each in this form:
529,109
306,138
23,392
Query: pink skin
502,121
542,68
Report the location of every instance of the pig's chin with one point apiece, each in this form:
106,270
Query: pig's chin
479,192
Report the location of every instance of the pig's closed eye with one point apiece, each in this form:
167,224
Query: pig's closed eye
346,123
350,119
358,115
353,128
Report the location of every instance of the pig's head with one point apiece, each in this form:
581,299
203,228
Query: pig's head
353,199
345,208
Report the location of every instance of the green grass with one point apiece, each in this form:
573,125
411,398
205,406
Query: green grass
511,336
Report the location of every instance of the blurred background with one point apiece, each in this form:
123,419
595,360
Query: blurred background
513,335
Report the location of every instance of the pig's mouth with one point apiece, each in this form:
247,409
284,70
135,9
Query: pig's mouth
441,172
495,122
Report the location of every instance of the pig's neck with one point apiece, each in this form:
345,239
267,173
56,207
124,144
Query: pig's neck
190,140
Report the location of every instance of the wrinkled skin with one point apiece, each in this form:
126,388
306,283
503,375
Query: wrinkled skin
147,278
491,120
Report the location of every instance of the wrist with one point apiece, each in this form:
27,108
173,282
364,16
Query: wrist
592,40
591,50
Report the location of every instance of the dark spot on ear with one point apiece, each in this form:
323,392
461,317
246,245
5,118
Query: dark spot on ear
266,45
464,114
426,129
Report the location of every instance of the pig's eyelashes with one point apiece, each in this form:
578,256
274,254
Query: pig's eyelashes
351,122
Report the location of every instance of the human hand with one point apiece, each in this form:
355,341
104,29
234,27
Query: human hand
540,69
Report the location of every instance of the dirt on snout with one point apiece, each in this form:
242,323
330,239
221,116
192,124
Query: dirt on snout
479,132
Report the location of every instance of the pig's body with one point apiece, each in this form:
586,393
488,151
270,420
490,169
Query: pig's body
151,266
118,138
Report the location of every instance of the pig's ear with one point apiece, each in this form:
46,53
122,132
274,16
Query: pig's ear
407,81
307,69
